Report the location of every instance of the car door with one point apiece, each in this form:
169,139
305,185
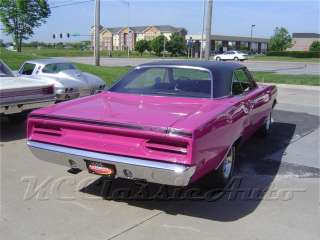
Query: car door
251,97
224,56
232,55
260,102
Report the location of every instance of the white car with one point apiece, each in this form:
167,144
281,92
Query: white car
19,95
231,55
69,82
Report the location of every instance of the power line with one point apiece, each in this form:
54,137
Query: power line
71,4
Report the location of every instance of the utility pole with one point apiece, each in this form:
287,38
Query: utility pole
202,34
251,36
208,30
164,45
97,33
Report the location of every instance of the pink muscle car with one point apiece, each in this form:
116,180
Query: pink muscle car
168,122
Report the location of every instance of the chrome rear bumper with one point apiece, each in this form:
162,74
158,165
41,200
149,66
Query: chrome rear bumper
20,106
151,171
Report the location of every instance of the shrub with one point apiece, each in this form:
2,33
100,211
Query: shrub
315,46
296,54
142,46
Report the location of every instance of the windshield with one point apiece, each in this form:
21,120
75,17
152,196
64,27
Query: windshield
5,71
166,81
58,67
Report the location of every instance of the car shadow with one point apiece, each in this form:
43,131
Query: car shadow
259,161
12,130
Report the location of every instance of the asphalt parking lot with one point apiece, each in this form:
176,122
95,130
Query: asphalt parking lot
268,66
275,194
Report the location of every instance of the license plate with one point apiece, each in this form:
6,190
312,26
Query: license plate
101,168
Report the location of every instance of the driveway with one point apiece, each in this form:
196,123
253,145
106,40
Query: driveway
275,194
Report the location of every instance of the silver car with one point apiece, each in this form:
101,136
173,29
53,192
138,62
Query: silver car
19,95
69,82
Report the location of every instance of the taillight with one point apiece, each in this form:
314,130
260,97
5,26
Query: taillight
48,90
176,148
44,129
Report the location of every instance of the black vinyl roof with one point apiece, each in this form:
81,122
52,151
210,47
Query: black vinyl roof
305,35
221,72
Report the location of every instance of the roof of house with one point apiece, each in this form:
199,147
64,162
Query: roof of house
113,30
167,28
305,35
141,29
230,38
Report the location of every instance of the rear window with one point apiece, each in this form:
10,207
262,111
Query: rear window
57,67
166,81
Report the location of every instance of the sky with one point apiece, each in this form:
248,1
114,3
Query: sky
230,17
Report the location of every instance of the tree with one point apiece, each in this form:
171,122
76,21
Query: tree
315,46
157,44
177,45
281,40
20,17
142,46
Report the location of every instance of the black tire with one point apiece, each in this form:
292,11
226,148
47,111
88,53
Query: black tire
264,130
220,177
218,58
236,59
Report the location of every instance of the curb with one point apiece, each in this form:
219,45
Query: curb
293,86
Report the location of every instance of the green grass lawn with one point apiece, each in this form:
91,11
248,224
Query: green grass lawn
111,74
270,77
61,52
108,74
286,59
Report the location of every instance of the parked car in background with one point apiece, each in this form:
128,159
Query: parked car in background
231,55
18,94
68,81
167,122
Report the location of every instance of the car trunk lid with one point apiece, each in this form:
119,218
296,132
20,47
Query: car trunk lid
130,109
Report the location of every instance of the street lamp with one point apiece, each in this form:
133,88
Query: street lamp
252,26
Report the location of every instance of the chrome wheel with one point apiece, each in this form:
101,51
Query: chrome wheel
228,164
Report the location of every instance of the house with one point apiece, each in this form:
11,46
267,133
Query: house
302,41
122,38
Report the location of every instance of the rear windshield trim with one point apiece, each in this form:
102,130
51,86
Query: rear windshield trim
176,66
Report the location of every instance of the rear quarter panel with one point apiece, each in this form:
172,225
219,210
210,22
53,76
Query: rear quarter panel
226,125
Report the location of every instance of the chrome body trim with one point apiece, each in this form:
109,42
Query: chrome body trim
67,96
183,67
20,106
151,171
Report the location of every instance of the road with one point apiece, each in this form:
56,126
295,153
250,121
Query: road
275,194
270,66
